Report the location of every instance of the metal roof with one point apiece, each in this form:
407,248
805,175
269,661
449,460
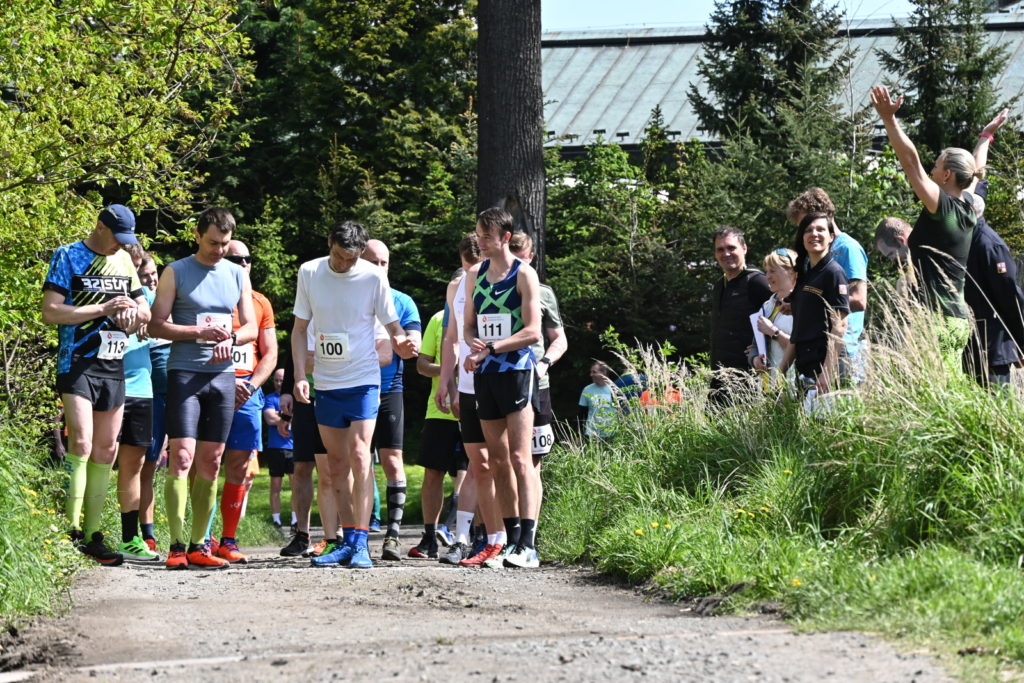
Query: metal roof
610,80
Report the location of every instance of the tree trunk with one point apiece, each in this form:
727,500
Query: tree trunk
510,153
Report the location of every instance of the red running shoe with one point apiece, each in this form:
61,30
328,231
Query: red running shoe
490,551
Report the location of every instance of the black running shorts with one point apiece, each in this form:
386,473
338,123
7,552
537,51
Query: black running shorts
499,394
441,447
137,423
469,421
200,405
103,392
390,429
305,433
279,461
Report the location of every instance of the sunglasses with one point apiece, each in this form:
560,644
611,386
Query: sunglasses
240,260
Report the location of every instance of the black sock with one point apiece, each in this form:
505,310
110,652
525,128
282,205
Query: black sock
147,531
512,530
396,506
527,535
129,525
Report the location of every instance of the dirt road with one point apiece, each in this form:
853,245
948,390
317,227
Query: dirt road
279,619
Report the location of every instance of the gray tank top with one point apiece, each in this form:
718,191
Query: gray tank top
206,296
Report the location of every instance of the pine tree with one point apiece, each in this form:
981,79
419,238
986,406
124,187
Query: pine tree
948,69
761,55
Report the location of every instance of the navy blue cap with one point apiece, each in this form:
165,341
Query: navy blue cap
121,221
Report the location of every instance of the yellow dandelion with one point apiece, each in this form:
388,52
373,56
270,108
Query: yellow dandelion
740,511
36,512
654,525
666,526
763,509
751,514
787,471
639,532
871,577
796,583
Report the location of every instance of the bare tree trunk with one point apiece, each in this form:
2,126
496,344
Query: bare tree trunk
510,153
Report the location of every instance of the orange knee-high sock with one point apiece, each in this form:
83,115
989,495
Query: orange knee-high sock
231,508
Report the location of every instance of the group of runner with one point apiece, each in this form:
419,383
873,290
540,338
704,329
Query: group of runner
186,356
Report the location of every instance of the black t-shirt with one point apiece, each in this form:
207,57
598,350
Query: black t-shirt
994,296
939,245
819,290
732,302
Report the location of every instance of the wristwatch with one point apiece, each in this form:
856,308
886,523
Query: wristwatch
776,334
545,360
234,339
490,349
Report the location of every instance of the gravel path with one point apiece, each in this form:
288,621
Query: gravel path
279,619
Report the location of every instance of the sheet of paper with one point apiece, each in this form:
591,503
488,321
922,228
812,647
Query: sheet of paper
758,337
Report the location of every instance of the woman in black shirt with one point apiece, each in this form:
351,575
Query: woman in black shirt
821,302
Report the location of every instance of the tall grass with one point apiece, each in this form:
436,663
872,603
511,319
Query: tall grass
898,506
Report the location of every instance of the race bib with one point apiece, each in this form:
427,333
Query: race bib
494,326
244,357
332,347
222,320
543,439
113,344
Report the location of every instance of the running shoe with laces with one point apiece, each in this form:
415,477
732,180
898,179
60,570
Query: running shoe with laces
443,536
488,553
522,557
478,545
136,549
360,559
98,550
498,561
374,527
176,558
297,547
456,554
317,549
150,543
340,555
390,551
199,557
423,551
324,547
228,550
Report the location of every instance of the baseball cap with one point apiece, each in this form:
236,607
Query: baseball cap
121,221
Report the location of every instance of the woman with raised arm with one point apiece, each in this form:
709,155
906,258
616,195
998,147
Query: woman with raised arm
941,239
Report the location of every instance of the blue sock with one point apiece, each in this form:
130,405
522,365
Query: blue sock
147,531
348,535
359,537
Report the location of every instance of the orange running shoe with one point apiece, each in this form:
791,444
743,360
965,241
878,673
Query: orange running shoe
150,543
200,558
228,550
489,552
176,557
318,549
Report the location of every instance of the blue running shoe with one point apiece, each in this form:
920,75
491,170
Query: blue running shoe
360,559
443,536
374,527
339,556
478,546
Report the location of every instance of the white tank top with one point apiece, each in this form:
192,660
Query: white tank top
459,306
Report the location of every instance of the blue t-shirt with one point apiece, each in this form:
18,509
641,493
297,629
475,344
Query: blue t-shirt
272,401
138,368
852,258
409,319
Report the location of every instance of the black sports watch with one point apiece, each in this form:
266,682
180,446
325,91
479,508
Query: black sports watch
234,339
545,360
490,349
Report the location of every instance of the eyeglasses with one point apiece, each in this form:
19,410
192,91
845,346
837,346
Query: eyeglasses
240,260
786,255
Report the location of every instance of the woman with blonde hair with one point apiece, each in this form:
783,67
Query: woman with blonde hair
776,326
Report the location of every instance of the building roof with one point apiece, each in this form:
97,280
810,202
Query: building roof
611,80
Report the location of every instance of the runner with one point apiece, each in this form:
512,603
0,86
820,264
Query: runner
342,295
92,293
456,382
502,322
279,450
440,446
253,365
159,350
201,292
389,434
547,351
136,428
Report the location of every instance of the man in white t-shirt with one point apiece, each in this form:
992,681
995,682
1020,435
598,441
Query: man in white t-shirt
344,295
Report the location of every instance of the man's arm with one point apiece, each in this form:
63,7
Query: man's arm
301,388
449,354
988,133
403,346
56,312
858,296
426,366
160,325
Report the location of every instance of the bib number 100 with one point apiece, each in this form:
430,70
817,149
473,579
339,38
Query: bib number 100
332,346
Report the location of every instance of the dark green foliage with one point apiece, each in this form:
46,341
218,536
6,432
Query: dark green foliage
947,68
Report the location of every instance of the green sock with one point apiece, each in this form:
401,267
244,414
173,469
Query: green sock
176,498
204,495
74,467
97,479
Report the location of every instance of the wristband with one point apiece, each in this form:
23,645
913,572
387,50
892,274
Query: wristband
987,135
285,417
